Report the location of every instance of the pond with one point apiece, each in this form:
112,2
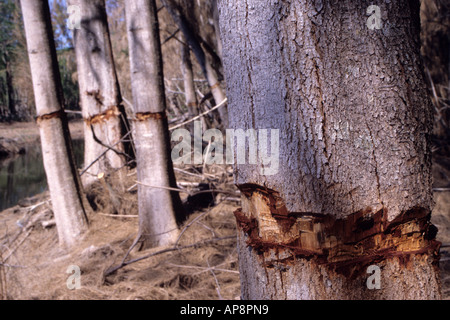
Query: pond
24,175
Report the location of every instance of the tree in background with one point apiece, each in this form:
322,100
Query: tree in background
105,119
159,207
62,176
8,47
205,55
66,54
353,193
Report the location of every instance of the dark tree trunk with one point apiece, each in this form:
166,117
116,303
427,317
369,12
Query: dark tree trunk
10,88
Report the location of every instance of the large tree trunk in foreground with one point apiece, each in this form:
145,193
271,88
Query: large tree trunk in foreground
62,175
353,187
105,121
158,206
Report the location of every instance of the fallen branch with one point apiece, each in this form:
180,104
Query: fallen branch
18,245
161,187
189,224
49,223
119,215
102,154
170,37
119,153
223,103
441,189
203,269
174,248
217,281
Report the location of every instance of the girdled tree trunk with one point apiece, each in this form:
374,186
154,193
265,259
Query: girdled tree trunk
158,206
353,187
104,116
62,176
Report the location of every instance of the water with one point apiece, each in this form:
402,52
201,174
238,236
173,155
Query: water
24,176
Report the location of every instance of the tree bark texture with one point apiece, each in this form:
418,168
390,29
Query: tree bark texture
158,208
354,184
104,116
66,192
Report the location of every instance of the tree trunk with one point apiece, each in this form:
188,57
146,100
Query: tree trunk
353,188
188,77
104,116
10,88
189,85
158,207
203,57
62,175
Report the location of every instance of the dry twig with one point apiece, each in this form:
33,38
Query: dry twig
171,249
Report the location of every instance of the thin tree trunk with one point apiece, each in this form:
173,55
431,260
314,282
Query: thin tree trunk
188,77
62,175
215,15
203,57
353,186
189,86
104,116
10,88
158,208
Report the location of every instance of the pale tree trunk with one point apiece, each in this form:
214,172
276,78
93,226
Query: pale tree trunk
158,206
105,122
67,196
353,188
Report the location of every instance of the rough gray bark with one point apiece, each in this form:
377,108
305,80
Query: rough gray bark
100,95
158,207
354,184
62,175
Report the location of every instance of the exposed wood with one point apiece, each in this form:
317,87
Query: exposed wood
105,117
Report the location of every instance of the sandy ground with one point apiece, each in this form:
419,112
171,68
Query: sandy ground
202,272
